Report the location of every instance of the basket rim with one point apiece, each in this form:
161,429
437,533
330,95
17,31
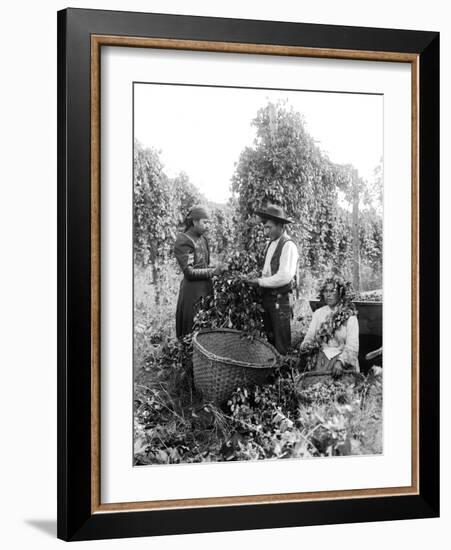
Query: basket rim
229,360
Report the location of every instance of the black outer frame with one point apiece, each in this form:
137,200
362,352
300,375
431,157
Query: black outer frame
75,520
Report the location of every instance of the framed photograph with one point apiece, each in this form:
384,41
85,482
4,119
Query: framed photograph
248,274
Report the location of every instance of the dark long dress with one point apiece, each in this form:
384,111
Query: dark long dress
193,256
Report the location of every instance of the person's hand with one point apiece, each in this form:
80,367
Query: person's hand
376,370
337,368
306,347
220,268
250,281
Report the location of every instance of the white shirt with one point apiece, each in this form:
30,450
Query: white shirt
287,265
345,343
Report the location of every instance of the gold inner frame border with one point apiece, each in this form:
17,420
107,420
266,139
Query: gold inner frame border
97,41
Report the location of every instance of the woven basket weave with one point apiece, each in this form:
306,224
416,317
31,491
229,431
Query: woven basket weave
223,360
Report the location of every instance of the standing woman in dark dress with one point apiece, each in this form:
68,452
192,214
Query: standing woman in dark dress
193,255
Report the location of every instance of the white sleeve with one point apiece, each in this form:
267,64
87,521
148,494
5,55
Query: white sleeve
350,352
313,327
287,268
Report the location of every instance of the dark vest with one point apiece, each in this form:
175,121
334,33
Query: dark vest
275,263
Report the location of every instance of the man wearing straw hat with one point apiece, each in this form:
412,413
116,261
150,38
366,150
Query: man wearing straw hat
193,256
277,279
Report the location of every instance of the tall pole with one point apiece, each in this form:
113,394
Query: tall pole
355,232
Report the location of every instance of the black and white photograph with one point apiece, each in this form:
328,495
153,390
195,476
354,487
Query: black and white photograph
257,273
226,252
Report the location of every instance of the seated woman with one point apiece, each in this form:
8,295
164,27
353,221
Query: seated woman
332,339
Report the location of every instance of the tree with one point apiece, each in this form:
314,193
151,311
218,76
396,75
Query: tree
184,196
365,203
153,215
286,167
222,235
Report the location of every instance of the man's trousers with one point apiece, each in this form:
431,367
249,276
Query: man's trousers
277,320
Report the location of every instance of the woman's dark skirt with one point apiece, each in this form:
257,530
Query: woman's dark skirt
189,294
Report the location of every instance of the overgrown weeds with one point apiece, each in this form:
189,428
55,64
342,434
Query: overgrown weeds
283,419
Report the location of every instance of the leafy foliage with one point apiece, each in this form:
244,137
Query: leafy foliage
286,167
184,196
234,304
280,420
221,235
152,214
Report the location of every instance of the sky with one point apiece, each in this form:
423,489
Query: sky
202,130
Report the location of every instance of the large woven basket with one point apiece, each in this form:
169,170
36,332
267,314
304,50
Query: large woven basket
223,360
